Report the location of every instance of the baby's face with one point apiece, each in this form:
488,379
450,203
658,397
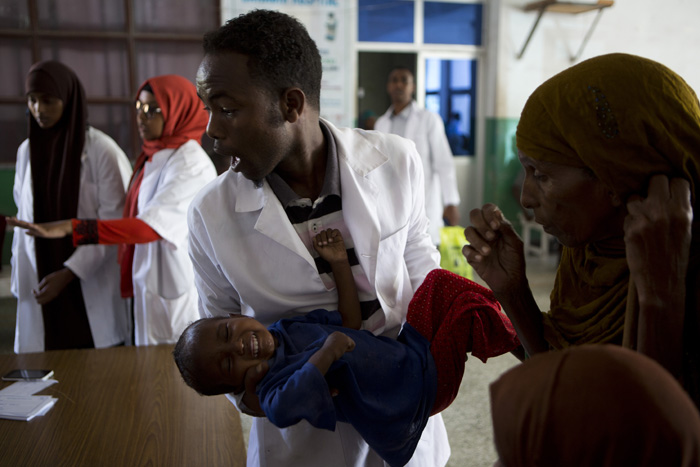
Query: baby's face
228,348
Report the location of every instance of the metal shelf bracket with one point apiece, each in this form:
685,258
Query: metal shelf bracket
565,7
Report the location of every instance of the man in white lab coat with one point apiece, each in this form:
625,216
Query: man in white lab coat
426,129
293,174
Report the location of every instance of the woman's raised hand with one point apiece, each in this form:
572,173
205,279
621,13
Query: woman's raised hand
495,250
657,239
57,229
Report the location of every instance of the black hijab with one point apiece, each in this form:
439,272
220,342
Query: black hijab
54,155
55,152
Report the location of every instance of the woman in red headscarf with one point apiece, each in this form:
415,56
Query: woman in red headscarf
67,297
171,169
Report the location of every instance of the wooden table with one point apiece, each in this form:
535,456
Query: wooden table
124,406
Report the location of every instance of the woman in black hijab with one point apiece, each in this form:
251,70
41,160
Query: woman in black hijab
64,169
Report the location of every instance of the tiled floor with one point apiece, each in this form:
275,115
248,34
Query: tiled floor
468,419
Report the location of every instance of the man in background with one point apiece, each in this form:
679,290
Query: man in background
426,129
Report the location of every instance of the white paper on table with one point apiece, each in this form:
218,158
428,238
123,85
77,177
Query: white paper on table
27,388
19,407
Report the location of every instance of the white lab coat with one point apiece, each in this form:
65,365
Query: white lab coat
104,173
248,258
165,298
427,130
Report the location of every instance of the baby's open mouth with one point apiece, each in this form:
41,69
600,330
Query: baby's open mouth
254,345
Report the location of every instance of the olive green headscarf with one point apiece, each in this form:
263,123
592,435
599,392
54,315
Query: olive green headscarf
625,118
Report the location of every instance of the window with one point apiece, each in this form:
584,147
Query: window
385,21
446,36
450,92
443,22
452,23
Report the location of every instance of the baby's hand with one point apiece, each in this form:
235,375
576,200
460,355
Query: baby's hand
333,348
338,344
330,246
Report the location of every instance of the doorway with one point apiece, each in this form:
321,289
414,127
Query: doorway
449,89
373,69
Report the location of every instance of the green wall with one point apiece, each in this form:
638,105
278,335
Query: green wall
501,166
7,207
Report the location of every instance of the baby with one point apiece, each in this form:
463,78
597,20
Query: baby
387,388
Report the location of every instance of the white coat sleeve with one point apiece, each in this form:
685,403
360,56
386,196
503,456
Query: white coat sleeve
420,254
20,168
110,172
217,296
442,160
185,173
383,123
20,173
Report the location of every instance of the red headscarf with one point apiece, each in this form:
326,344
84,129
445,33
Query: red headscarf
185,119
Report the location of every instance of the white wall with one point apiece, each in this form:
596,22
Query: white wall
663,30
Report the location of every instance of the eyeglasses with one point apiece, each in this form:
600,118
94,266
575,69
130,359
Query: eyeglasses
150,110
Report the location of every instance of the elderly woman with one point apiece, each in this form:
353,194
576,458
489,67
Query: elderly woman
172,167
611,150
595,405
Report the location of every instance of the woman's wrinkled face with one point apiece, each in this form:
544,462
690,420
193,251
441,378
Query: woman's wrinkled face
570,202
149,117
46,109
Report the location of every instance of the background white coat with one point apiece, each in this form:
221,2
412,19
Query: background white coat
427,130
165,298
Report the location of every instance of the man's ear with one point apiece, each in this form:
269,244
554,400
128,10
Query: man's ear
293,104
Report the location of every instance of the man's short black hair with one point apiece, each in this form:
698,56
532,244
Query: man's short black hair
402,68
280,52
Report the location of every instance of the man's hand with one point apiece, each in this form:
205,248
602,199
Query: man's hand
250,398
57,229
330,246
52,285
495,250
658,232
451,215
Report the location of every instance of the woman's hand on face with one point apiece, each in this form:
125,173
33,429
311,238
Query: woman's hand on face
57,229
495,250
52,285
657,239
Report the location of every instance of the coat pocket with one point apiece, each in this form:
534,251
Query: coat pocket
392,281
168,317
